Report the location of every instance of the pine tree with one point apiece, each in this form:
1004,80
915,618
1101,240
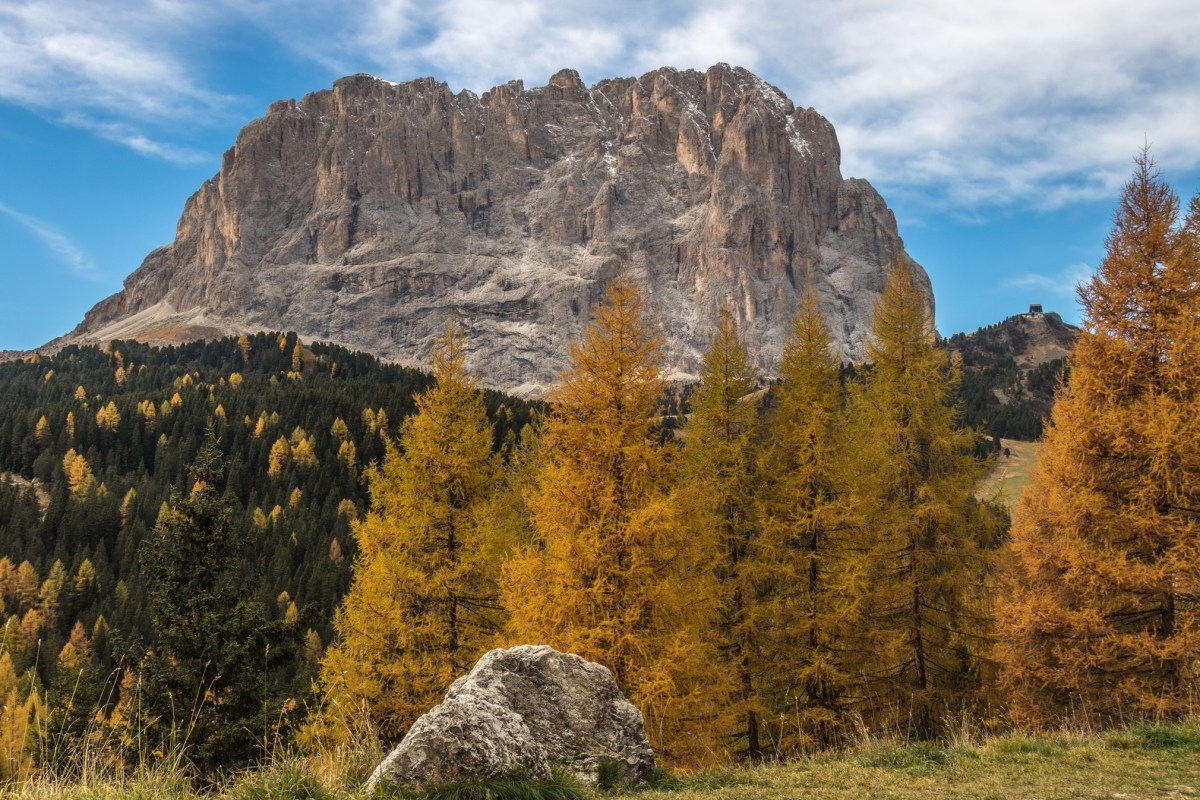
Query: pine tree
612,574
805,561
1100,616
208,681
423,605
717,496
928,545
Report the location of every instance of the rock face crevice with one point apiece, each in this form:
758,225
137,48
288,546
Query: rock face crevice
366,213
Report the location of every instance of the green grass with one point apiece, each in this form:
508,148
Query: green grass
1145,761
1010,474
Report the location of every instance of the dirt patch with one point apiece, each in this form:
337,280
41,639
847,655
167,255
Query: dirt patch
43,494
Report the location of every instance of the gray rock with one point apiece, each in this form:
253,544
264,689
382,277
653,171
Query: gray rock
364,214
524,709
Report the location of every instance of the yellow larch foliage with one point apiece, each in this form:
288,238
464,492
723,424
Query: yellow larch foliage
929,547
33,622
78,474
76,653
1098,611
260,426
49,376
41,431
422,606
108,418
146,411
303,449
295,497
258,519
803,562
8,576
8,674
717,497
243,344
347,509
368,418
348,454
176,401
236,380
277,459
28,584
51,590
612,574
85,576
127,504
298,357
119,376
70,423
18,724
219,413
339,430
80,395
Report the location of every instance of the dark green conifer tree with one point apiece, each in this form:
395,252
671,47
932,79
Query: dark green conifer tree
208,684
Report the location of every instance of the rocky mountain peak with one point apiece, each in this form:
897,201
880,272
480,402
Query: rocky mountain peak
366,213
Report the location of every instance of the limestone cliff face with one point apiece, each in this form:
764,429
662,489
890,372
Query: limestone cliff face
365,214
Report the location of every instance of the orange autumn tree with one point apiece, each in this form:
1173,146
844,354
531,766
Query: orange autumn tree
717,495
1099,615
926,555
611,574
804,554
423,604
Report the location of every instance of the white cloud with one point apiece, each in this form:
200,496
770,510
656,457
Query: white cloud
1060,284
109,67
130,137
966,105
711,35
68,253
988,102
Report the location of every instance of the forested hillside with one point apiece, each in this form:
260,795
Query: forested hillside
106,437
1011,371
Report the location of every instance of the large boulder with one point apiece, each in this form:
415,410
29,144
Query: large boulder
525,710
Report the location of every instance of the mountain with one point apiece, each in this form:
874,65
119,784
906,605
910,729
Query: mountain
364,214
1011,371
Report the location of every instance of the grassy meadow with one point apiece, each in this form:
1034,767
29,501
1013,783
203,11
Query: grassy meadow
1010,472
1146,761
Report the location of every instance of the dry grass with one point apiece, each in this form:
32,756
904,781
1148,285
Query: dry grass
1010,473
1148,761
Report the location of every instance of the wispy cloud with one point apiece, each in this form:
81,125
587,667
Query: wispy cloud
127,135
965,105
66,251
112,68
1059,284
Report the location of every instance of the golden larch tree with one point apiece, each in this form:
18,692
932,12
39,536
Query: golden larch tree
806,560
929,546
612,574
423,603
1099,615
716,496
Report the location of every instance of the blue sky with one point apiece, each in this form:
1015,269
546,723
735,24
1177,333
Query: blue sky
999,132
